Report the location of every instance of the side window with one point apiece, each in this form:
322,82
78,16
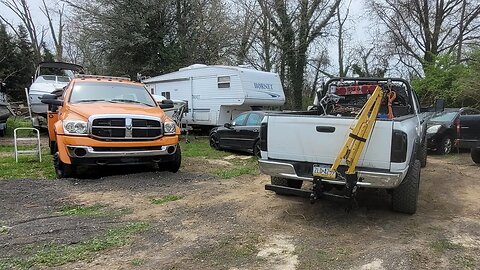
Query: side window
166,95
240,120
223,81
254,119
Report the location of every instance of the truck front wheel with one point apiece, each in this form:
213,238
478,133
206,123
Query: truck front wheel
62,170
285,182
475,154
174,165
405,196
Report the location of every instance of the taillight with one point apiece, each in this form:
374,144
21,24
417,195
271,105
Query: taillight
263,136
399,147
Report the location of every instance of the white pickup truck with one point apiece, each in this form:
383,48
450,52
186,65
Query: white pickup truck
294,143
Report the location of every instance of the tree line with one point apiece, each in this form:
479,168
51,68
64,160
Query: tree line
433,43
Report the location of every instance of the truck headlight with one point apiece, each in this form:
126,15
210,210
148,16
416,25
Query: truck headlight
169,128
75,127
433,129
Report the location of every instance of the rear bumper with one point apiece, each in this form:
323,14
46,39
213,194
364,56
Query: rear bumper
368,179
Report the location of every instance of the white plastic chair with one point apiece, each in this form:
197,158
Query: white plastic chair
37,151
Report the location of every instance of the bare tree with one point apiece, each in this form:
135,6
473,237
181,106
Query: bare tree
22,10
342,69
57,36
257,46
295,26
424,29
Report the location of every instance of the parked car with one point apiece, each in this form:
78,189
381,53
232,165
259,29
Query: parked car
469,137
443,129
241,134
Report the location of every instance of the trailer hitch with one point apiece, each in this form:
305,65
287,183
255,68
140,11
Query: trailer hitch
318,191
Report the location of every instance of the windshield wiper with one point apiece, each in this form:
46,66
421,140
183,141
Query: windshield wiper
89,100
128,101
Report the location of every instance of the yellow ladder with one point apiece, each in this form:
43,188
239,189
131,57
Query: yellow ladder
353,146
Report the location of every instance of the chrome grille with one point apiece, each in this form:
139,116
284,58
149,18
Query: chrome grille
125,127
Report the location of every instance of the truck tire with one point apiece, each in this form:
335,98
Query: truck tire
422,155
53,147
475,154
62,170
174,165
285,182
214,143
405,196
2,132
445,145
256,149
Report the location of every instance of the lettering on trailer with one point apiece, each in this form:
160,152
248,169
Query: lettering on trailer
267,86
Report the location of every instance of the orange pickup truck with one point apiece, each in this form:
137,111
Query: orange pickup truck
100,120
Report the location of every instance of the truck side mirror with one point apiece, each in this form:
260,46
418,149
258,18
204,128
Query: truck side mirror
51,100
227,125
166,104
439,105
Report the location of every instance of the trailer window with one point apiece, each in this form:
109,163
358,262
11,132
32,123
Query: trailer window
223,82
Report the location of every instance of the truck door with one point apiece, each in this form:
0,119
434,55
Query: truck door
469,127
230,137
252,127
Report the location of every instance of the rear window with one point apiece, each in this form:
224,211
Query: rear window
110,92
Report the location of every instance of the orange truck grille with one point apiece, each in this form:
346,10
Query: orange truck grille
126,128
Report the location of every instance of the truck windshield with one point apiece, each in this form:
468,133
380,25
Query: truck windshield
110,92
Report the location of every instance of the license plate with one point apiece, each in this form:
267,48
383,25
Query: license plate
323,171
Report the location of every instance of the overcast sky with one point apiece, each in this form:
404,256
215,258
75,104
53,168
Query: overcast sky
358,24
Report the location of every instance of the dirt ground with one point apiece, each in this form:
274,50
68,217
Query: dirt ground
236,224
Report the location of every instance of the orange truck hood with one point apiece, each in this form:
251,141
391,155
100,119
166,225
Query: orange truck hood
86,110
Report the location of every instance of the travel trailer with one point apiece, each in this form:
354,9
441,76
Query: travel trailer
217,94
49,77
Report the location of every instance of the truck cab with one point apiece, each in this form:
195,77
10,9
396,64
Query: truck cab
100,120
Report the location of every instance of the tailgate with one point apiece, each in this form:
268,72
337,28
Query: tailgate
296,138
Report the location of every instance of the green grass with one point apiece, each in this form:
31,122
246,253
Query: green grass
443,245
96,210
240,167
81,210
28,167
55,255
164,199
137,262
17,122
200,147
237,170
